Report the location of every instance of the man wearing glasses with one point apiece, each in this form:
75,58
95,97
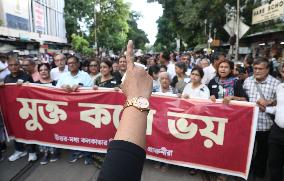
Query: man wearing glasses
261,88
19,77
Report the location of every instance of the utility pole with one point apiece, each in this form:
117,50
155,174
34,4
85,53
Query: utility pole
95,20
238,31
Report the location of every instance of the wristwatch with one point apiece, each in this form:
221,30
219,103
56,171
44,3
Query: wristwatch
141,103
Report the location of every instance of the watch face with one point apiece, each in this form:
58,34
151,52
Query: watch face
143,103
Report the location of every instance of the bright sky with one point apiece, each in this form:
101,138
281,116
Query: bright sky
150,13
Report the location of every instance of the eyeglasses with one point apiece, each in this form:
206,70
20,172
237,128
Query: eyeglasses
93,65
25,65
71,63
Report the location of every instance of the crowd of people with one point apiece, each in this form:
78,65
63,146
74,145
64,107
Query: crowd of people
184,75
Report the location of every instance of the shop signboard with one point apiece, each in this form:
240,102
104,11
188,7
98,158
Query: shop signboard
267,12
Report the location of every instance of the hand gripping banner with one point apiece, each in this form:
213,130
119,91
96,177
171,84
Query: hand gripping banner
186,132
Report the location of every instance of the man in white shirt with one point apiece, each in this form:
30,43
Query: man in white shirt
74,78
165,60
61,67
210,71
276,137
70,82
4,71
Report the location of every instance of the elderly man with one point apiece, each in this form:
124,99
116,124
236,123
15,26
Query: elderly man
29,67
18,76
61,67
261,87
70,82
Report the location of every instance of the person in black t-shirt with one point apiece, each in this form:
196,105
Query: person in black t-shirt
19,77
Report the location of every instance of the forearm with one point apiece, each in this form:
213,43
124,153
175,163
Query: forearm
132,127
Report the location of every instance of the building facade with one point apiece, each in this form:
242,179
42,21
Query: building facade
32,25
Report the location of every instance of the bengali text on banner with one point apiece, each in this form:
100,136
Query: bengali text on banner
186,132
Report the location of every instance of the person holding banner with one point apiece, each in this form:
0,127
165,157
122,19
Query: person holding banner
195,89
50,153
70,82
276,137
224,85
106,79
259,88
126,153
227,87
19,77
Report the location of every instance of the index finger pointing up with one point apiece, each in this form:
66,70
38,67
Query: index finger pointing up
130,55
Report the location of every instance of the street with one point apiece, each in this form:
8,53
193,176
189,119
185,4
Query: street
63,171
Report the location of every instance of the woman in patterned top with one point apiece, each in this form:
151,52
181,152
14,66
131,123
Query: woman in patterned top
224,85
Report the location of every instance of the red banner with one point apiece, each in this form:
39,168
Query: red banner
187,132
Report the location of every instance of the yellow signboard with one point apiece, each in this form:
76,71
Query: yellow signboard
268,12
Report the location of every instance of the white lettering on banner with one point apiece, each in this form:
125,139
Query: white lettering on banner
181,128
150,119
81,140
55,113
164,151
102,115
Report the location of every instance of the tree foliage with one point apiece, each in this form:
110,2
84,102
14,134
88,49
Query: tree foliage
112,26
138,36
184,19
81,45
115,23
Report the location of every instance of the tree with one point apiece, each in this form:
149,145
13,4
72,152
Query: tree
77,11
185,20
135,34
111,25
81,45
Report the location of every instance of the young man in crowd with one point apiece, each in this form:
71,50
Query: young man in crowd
164,59
122,65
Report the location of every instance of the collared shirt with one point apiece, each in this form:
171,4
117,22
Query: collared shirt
278,109
82,78
201,91
268,88
4,71
55,73
171,70
209,73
